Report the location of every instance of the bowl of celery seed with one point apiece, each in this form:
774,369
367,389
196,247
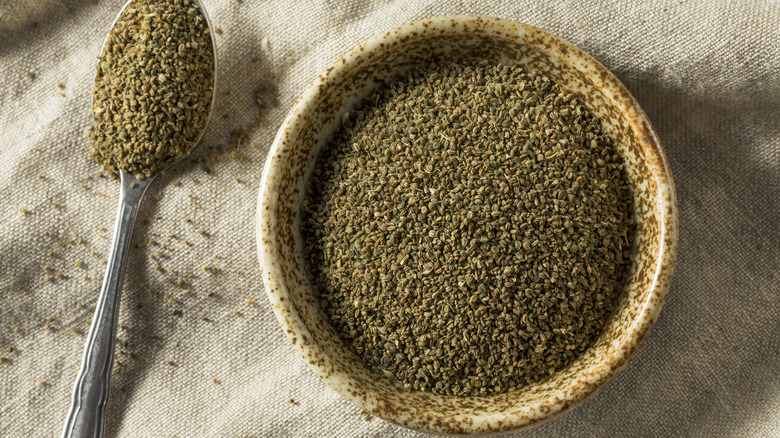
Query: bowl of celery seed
466,226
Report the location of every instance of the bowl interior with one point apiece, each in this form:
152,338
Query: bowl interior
318,112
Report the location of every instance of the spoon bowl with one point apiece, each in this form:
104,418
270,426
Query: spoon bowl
205,15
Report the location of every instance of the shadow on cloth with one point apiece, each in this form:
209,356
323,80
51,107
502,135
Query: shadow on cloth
24,21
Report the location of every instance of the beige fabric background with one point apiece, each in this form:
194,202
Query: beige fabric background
707,73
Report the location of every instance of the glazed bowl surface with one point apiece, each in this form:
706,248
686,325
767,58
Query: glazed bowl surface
317,113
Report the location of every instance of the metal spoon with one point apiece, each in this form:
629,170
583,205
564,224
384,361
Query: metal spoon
90,394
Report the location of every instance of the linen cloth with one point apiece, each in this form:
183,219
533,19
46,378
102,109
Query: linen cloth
707,74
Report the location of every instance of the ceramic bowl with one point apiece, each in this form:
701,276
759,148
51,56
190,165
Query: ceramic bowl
318,112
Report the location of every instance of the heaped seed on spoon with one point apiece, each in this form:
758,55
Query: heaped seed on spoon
153,87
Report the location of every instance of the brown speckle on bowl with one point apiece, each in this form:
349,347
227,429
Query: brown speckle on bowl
317,113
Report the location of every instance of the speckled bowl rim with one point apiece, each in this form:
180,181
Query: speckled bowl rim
663,265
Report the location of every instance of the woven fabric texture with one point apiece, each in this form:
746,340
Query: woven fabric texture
218,365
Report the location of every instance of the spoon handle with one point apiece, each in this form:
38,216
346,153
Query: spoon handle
90,393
